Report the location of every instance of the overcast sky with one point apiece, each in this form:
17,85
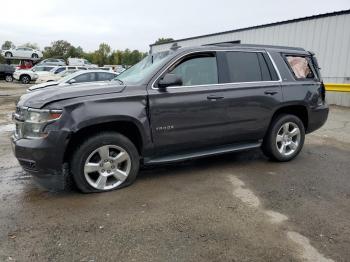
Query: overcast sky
136,24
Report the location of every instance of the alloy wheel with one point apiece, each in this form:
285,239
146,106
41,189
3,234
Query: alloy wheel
25,80
288,138
107,167
8,78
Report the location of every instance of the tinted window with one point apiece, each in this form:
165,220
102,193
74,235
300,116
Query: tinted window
245,67
300,67
82,68
60,69
198,71
71,67
87,77
105,76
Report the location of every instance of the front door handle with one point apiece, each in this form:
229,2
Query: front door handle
271,93
215,97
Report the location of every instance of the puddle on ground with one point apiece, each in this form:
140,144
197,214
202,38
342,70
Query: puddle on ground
7,128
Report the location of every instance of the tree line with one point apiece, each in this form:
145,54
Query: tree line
104,55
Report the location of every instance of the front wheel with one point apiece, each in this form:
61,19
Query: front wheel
285,138
8,54
8,78
25,79
105,162
35,56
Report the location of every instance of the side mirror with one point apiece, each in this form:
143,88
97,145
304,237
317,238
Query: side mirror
72,81
170,80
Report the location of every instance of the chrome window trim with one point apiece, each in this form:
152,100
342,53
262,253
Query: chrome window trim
230,83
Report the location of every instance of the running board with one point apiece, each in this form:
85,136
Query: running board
201,153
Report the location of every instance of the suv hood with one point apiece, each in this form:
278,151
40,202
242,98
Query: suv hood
40,98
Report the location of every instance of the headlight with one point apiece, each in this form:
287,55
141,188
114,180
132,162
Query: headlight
31,123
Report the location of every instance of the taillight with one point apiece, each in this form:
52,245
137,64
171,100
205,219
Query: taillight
323,92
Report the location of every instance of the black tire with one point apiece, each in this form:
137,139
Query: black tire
270,144
8,78
25,79
8,54
84,150
35,56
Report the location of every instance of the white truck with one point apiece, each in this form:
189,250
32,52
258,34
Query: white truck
79,62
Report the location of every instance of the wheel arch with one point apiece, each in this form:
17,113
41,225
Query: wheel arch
298,110
23,75
126,127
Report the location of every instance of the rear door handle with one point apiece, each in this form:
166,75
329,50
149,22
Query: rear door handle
271,93
215,97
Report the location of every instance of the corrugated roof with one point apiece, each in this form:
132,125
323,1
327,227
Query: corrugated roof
264,25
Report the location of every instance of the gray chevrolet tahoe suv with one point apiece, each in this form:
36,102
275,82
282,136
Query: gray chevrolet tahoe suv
180,104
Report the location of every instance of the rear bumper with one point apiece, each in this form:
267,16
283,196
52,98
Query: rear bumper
317,117
43,159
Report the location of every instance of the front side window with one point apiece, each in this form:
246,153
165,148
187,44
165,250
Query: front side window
198,70
300,67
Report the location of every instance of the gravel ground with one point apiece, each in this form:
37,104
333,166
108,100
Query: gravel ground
237,207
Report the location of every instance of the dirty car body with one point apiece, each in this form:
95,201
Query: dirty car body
170,120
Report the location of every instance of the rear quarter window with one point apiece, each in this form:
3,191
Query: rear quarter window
300,67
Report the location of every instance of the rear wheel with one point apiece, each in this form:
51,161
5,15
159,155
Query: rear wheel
8,78
105,162
35,56
25,79
8,54
285,138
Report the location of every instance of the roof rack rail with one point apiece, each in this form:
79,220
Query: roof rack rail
228,44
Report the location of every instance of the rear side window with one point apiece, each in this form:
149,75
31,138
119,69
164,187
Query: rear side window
105,76
300,67
87,77
243,67
60,69
248,67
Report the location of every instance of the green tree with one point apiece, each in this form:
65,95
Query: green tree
7,45
163,40
102,54
60,48
31,45
75,52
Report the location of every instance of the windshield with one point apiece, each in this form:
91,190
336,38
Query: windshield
39,69
139,72
67,72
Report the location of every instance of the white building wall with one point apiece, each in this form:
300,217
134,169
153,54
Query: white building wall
328,37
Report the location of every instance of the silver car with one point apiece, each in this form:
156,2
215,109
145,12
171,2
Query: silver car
82,76
53,61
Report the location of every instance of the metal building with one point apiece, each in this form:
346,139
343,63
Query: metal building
328,35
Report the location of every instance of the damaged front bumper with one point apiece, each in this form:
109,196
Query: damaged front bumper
43,159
